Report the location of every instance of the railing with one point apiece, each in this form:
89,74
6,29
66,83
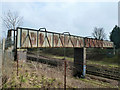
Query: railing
31,38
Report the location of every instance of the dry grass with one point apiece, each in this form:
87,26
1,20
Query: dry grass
37,75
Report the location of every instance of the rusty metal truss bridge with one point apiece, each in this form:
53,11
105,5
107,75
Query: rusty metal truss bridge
31,38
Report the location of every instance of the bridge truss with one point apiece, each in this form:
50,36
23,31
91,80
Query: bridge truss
30,38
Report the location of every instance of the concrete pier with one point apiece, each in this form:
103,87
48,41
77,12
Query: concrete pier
79,62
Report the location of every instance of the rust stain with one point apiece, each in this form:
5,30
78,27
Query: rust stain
86,44
99,43
93,42
49,40
58,40
90,42
91,45
74,40
80,42
66,40
62,40
55,40
33,38
23,37
41,39
24,34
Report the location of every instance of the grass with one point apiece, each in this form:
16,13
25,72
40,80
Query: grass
98,83
108,62
45,77
37,75
57,57
102,63
28,78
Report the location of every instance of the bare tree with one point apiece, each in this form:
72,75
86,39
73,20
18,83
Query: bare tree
12,20
99,33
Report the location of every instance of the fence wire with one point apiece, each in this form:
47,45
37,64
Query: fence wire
0,65
8,66
71,67
44,70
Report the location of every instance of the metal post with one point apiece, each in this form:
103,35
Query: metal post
65,66
37,57
16,55
64,70
65,61
65,75
17,65
14,47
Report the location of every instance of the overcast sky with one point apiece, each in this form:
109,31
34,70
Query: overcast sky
78,18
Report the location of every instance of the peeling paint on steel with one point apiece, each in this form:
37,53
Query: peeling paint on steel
50,39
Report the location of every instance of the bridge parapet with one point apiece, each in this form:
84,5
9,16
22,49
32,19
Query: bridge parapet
94,43
108,44
31,38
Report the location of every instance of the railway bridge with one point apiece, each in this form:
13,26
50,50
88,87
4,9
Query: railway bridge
30,38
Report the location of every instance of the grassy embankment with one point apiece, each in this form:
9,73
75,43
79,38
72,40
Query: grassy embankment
37,75
108,62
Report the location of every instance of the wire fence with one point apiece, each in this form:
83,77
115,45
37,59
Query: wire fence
48,71
51,67
68,68
8,66
7,61
0,65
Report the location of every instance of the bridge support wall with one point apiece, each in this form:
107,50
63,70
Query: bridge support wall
22,54
79,62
